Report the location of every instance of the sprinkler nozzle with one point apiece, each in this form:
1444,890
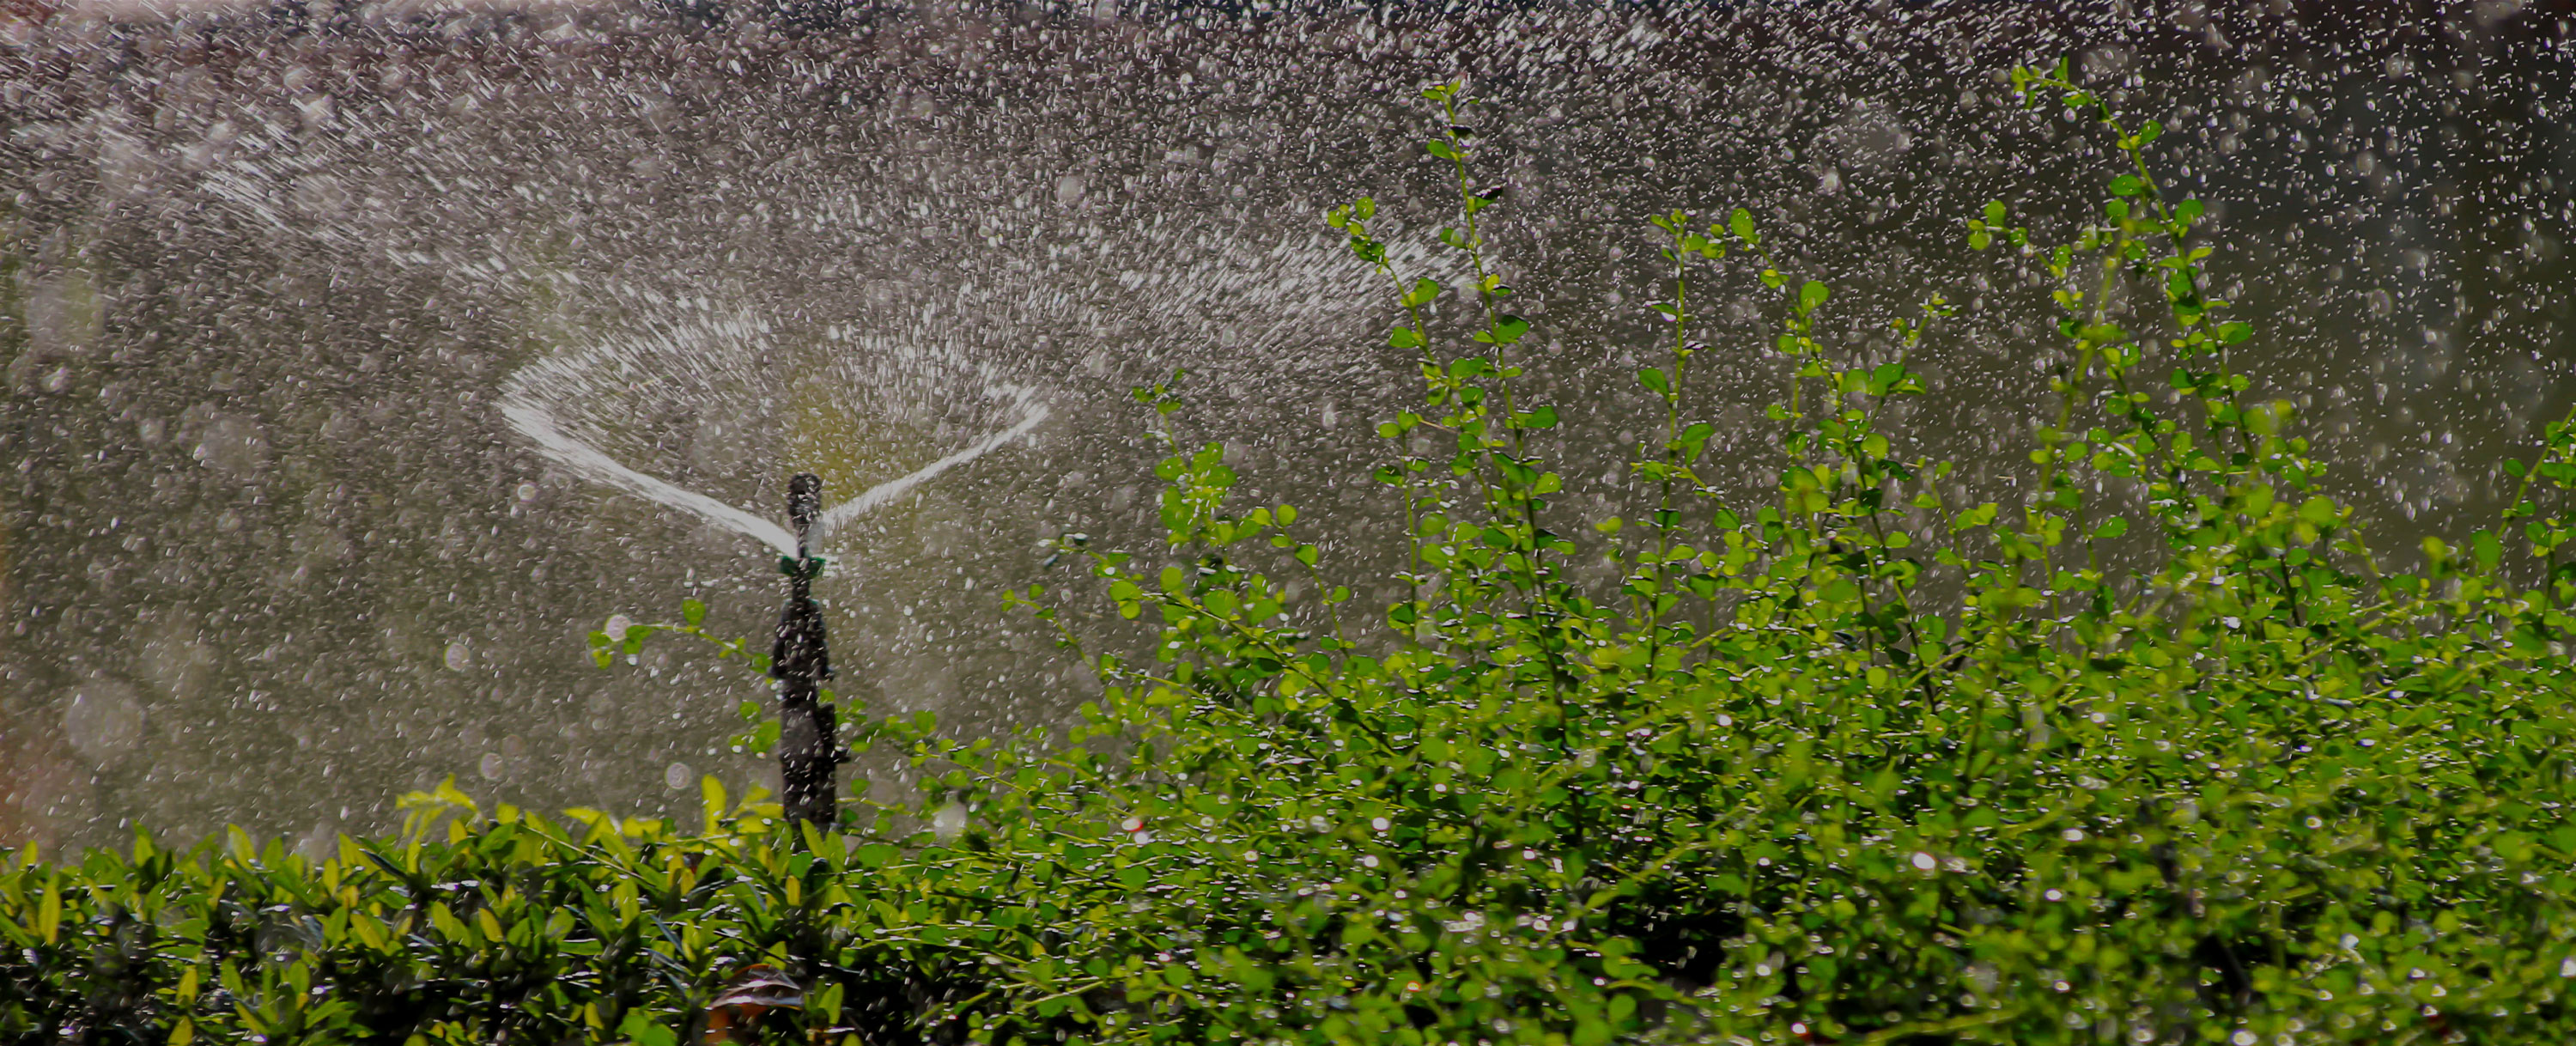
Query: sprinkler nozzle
804,501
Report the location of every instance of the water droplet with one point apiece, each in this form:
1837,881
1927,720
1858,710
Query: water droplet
104,720
678,776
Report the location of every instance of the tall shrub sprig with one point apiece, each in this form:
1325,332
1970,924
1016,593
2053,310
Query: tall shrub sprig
1669,466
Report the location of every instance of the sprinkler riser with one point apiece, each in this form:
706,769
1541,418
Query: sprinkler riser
809,750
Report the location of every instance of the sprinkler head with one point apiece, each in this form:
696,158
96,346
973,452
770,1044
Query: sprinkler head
804,501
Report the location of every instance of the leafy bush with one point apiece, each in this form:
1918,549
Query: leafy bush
1852,765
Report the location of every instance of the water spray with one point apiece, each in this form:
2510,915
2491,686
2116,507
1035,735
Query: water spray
809,744
572,407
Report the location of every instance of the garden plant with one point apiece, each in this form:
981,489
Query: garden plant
1852,763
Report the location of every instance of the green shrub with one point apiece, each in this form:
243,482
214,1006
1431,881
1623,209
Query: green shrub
1852,765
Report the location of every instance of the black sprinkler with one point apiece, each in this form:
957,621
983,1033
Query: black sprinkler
809,746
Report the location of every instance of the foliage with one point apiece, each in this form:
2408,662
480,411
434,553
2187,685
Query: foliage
1855,764
506,928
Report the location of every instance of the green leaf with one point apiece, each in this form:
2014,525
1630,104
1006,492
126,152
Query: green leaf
2103,334
2128,185
1740,222
444,921
693,612
2234,331
1653,380
640,1029
2321,512
711,795
1694,439
1404,338
49,912
1812,295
